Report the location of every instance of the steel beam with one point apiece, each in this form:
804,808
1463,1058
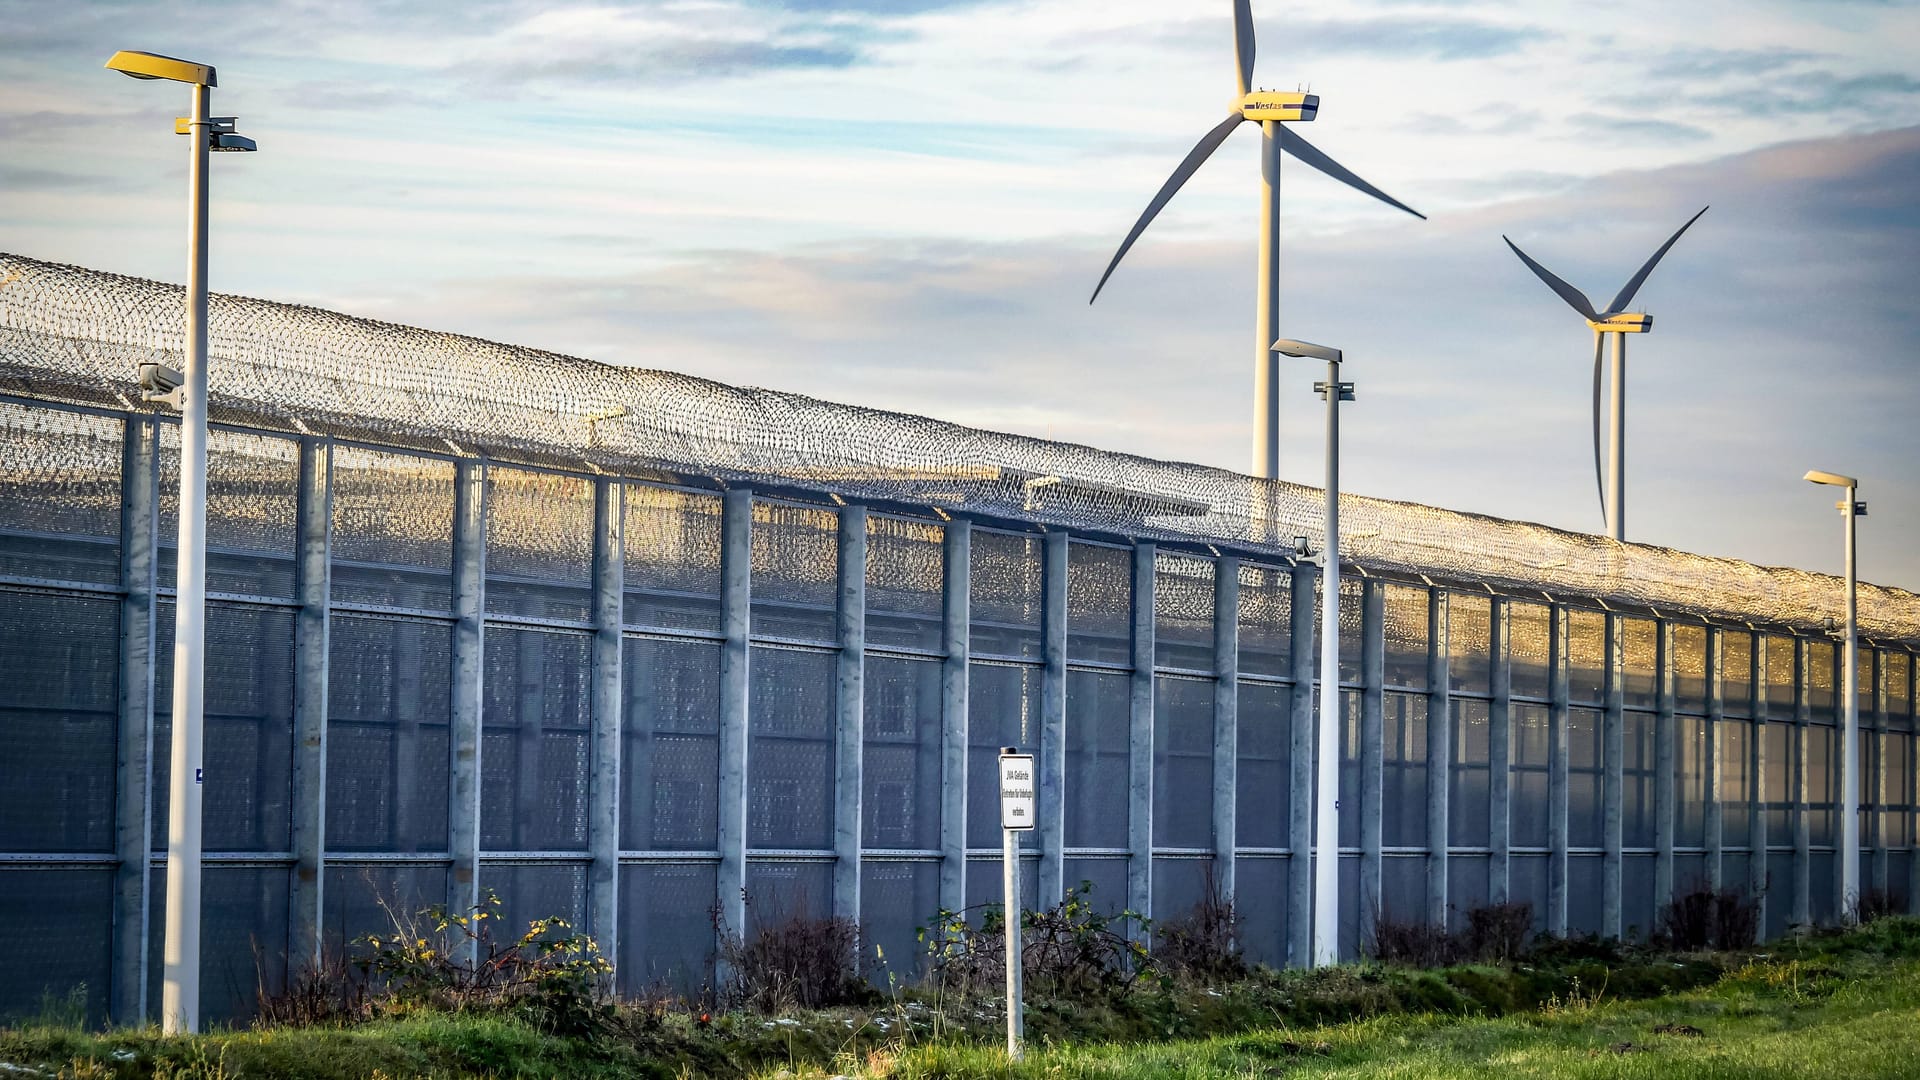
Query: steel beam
1052,810
736,607
954,703
1439,751
311,636
1665,761
1613,753
1500,755
1226,725
133,810
1300,756
1558,860
1716,718
849,711
1140,735
1758,878
469,673
608,702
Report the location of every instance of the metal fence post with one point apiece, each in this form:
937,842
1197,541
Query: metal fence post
1716,717
1439,752
1759,879
1802,912
1052,812
1373,678
608,701
133,810
1226,726
736,597
469,672
954,703
849,710
1665,761
1613,752
1304,579
310,658
1558,859
1500,756
1140,793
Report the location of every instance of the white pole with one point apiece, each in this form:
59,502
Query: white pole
180,992
1010,881
1617,477
1850,735
1266,362
1326,862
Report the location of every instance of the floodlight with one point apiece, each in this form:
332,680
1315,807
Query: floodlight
146,65
1288,347
1831,479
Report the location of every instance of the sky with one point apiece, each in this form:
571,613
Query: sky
905,204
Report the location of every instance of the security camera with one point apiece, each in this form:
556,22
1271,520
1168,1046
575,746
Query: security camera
1301,549
160,383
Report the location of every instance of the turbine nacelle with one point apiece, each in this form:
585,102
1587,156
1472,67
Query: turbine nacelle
1625,322
1283,106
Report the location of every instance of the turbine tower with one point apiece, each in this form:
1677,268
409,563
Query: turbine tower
1616,320
1272,110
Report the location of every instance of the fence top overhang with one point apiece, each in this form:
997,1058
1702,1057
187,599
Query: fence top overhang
77,336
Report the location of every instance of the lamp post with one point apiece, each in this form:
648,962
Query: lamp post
1851,509
1326,836
180,989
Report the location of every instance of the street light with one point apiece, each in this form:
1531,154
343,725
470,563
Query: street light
1326,866
180,990
1851,510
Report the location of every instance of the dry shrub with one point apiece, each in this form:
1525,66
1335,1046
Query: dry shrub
1070,949
1877,904
798,962
1705,919
1494,933
1202,944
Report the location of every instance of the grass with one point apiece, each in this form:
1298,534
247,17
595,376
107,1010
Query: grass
1840,1005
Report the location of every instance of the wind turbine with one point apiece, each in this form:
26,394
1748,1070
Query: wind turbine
1618,321
1271,109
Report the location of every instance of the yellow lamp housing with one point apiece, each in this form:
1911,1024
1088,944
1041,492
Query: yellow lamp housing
1264,105
1623,323
146,65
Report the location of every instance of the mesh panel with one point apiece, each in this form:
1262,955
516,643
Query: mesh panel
1352,605
365,899
59,494
670,773
1408,624
1006,594
533,751
1467,888
1636,809
1107,876
1736,672
1531,747
1822,765
984,884
1470,794
532,892
1099,603
53,927
388,693
1636,897
1781,745
1183,612
1640,641
900,775
1179,887
539,544
1266,621
782,890
1470,643
1822,663
1689,662
1896,820
392,529
1586,769
58,722
1404,771
243,909
672,556
1530,649
790,756
666,931
1099,710
253,507
78,334
1263,774
1527,884
796,552
1260,903
1403,890
1781,683
906,580
1585,876
1003,709
1586,656
1899,688
1182,763
248,747
896,898
1690,790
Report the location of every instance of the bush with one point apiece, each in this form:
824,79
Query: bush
1494,932
1877,904
1203,943
1070,949
1704,919
798,962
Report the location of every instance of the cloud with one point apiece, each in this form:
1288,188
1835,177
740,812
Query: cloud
1430,37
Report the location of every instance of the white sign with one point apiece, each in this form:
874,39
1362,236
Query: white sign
1017,792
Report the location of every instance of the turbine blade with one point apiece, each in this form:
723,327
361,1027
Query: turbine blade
1626,295
1243,42
1575,299
1208,144
1599,476
1311,155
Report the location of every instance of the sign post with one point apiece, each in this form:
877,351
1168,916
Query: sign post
1016,816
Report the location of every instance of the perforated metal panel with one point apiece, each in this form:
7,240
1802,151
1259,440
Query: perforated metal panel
1689,669
1823,664
539,543
778,890
59,495
1260,902
901,770
1407,630
1640,676
243,939
906,574
58,727
1003,709
1781,743
1736,672
1099,711
1266,621
367,898
1530,648
535,891
1179,887
670,772
1690,783
1823,786
1352,604
666,928
1262,783
248,749
1637,780
1183,612
252,510
388,694
896,899
1404,776
1781,677
1005,599
1470,643
672,558
1530,748
51,929
1099,603
1587,657
1735,739
796,551
392,529
533,754
790,753
1107,875
1586,773
1182,762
